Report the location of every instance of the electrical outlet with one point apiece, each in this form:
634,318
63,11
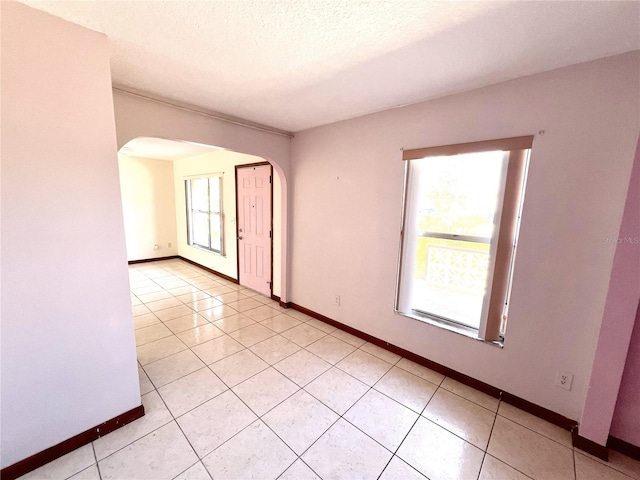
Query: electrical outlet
337,300
156,246
169,244
564,380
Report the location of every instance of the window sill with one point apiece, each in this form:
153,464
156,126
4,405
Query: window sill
452,327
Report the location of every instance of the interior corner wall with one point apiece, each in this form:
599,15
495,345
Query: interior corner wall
68,349
149,207
347,188
223,162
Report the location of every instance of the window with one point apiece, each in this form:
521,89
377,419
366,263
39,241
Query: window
204,213
460,223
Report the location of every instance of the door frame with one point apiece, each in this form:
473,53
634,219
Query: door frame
249,165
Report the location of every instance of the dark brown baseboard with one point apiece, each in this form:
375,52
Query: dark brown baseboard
626,448
37,460
589,446
210,270
538,411
147,260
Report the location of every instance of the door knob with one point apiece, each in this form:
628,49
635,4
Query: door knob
239,238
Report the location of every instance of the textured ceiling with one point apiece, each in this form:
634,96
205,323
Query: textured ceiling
295,64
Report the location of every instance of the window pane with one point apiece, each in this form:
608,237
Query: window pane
449,279
451,196
216,232
458,194
200,228
200,194
214,194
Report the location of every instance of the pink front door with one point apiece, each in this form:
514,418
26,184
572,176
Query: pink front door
253,187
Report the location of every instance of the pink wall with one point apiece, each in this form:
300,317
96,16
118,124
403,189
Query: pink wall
347,186
626,417
68,349
618,319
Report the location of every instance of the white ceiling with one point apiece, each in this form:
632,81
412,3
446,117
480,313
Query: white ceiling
163,149
295,64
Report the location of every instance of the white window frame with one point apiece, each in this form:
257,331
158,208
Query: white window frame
190,210
502,244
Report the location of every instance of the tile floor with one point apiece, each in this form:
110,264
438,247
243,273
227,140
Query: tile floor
236,387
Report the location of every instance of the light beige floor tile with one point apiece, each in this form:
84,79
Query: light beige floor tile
494,469
233,322
422,372
381,353
200,334
139,310
261,313
135,301
145,384
350,339
467,420
624,464
163,304
352,454
176,292
155,296
65,466
162,454
331,349
302,367
337,389
300,420
256,452
195,472
217,349
536,424
150,352
588,468
325,327
299,471
217,291
364,367
147,288
399,470
236,368
303,334
173,367
265,390
192,390
383,419
404,387
252,334
155,416
151,333
279,323
90,473
274,349
470,393
204,304
191,297
145,320
214,422
230,296
187,322
302,317
529,452
173,312
437,453
245,304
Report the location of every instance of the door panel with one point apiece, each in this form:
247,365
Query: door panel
254,227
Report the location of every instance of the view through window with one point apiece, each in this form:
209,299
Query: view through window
204,213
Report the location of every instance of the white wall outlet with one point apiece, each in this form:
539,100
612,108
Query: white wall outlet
156,246
564,380
337,300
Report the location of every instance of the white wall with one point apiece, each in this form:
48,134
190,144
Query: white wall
68,352
149,207
346,198
224,162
